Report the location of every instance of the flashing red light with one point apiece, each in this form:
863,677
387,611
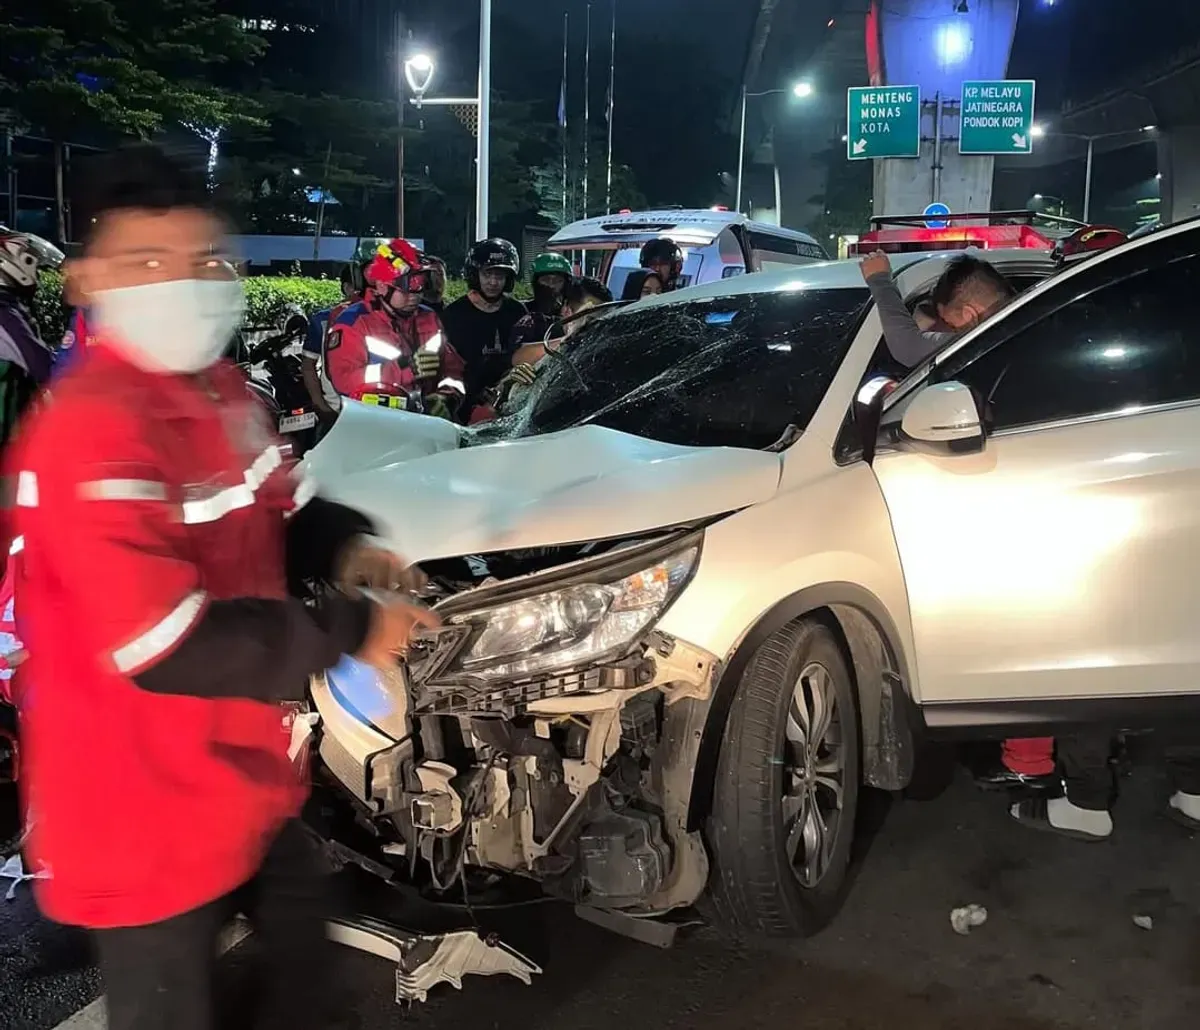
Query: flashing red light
720,207
625,211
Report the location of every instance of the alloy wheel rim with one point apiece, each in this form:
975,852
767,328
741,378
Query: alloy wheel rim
814,775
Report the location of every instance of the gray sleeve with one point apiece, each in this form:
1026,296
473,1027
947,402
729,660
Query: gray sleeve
907,344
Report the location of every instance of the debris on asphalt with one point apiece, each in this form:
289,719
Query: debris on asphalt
14,869
423,961
967,918
1145,922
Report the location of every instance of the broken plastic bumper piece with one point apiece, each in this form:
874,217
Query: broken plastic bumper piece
425,960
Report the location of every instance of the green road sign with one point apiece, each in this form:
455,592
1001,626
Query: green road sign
884,121
997,117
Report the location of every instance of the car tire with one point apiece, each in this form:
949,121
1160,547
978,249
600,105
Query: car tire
755,890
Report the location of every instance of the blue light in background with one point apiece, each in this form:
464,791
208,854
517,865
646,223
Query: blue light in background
926,43
953,42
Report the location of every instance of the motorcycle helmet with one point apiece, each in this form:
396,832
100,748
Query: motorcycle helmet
548,299
437,277
364,254
19,264
663,252
549,264
493,253
397,265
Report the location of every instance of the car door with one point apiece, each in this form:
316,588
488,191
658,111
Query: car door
1063,561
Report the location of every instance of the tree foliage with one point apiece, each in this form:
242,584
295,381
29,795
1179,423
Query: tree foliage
271,174
128,67
286,118
441,174
548,184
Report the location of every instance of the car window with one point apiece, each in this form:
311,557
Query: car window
725,372
1132,343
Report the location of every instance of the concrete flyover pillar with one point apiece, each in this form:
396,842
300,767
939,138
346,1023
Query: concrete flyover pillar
1179,165
937,45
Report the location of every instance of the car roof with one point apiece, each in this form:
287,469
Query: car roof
698,227
838,275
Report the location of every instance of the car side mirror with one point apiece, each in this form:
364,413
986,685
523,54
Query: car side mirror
944,417
868,410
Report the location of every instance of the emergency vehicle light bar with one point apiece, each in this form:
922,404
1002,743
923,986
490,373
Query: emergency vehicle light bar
990,217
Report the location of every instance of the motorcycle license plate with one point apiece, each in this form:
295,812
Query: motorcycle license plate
297,423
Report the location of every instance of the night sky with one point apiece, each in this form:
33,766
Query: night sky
679,64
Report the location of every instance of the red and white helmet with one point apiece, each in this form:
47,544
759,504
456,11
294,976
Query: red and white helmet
398,264
19,262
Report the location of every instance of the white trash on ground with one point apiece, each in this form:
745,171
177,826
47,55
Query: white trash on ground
14,869
1145,922
968,917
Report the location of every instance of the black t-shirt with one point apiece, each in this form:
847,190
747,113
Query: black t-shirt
483,340
532,329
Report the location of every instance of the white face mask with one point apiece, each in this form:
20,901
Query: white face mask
180,326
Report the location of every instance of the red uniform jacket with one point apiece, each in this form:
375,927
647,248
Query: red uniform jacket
368,350
152,599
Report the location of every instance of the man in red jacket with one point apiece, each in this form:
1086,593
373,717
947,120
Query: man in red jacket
161,530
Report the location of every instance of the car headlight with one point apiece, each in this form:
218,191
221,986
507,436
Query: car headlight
576,623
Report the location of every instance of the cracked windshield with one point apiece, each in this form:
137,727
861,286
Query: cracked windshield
729,372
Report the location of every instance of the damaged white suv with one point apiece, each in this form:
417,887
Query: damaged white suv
706,583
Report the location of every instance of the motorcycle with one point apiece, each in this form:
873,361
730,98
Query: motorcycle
275,378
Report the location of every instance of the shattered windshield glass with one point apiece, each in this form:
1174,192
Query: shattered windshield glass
724,372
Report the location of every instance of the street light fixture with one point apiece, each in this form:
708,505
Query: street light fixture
418,73
418,70
1038,131
802,91
1044,198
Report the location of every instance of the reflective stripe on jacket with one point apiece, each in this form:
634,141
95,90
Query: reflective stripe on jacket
369,350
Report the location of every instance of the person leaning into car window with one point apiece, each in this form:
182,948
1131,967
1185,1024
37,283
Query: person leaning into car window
580,296
968,291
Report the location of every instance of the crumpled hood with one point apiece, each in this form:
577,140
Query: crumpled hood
431,499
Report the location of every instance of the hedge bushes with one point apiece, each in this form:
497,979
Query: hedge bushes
266,299
48,309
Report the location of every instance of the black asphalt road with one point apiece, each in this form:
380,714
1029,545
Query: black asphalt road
1060,948
46,971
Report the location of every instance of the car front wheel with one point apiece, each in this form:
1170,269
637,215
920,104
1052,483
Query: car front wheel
786,794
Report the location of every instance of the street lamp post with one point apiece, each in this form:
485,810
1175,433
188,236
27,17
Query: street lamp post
800,90
483,154
418,70
418,73
1039,131
1087,179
